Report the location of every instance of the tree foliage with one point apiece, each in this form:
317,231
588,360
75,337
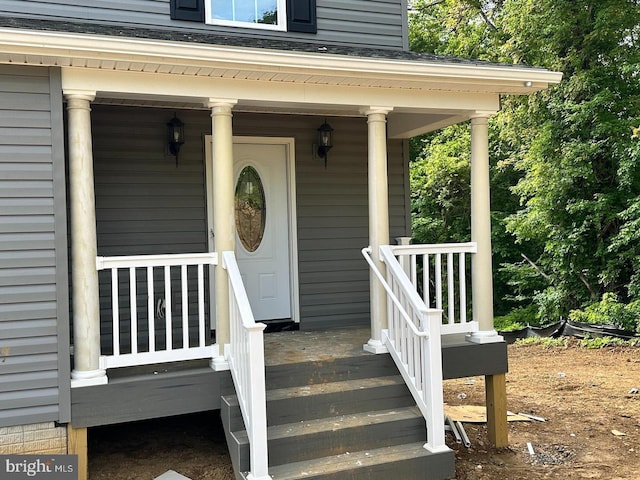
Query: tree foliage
565,168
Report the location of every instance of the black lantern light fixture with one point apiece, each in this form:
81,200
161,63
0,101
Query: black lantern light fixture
325,141
175,136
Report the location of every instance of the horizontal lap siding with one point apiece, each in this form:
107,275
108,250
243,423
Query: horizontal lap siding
33,262
332,210
145,205
369,23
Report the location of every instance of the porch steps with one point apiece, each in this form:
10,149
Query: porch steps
344,418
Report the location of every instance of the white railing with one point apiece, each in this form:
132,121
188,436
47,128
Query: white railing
245,355
413,340
150,329
439,272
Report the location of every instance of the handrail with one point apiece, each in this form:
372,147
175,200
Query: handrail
420,249
413,341
366,253
245,355
143,347
431,269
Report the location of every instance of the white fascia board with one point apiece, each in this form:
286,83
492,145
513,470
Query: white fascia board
96,47
200,89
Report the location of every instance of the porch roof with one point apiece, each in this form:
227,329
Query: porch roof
266,75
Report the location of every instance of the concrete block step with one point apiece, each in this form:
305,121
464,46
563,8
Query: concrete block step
406,462
322,437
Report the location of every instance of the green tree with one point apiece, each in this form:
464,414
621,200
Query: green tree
567,154
572,144
440,183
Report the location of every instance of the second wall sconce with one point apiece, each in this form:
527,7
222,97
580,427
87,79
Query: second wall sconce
175,136
325,142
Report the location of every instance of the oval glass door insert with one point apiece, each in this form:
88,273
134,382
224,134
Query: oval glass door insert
251,209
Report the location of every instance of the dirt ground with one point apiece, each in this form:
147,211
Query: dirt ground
582,394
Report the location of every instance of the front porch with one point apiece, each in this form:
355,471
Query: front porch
309,361
141,296
162,334
184,387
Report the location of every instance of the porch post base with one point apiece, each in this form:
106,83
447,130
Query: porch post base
485,336
496,400
440,449
88,378
375,346
219,362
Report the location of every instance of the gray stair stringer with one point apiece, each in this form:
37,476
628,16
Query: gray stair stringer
341,419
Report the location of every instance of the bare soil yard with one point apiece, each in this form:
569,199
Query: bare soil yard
582,394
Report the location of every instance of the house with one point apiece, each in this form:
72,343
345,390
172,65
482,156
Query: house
143,142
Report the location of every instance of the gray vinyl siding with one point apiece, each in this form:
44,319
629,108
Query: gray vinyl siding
146,205
34,307
372,23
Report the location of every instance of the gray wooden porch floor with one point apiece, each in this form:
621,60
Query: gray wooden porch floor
460,358
286,347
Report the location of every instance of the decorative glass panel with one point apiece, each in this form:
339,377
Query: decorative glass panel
246,11
251,209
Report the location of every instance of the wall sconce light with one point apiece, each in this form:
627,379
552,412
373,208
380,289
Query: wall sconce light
325,141
175,136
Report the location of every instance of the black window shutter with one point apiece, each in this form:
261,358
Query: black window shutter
301,16
190,10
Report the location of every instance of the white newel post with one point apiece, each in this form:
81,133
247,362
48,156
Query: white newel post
378,219
86,308
481,272
223,216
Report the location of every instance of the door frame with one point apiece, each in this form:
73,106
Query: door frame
289,144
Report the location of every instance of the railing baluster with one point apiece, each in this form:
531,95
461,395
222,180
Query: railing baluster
414,271
426,280
138,353
151,314
167,309
435,293
462,272
450,290
438,275
115,311
133,304
185,306
201,318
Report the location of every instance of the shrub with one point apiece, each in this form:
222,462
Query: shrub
603,342
546,342
609,311
517,319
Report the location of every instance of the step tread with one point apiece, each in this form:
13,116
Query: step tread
332,387
348,461
333,424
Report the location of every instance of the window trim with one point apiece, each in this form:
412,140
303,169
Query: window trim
281,6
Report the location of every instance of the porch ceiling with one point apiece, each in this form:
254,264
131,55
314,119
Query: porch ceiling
427,94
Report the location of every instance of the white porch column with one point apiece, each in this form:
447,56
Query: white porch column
481,271
86,309
223,215
378,219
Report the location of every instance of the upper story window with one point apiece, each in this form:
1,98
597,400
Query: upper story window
266,14
284,15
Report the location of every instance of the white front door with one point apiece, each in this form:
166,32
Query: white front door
265,228
262,238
